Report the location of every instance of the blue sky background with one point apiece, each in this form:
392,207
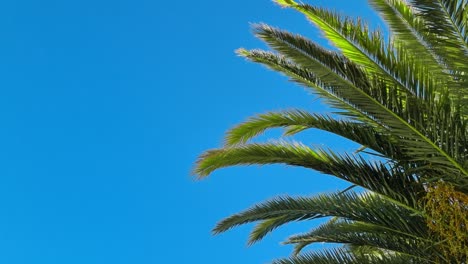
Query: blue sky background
105,106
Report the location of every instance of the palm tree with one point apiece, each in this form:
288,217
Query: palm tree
404,98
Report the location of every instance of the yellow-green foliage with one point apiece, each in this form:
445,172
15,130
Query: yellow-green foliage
447,218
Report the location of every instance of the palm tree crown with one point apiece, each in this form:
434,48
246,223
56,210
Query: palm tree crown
404,98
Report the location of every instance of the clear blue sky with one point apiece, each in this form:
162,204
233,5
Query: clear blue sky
105,106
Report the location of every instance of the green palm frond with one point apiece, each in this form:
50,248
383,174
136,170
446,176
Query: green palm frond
336,78
341,256
311,56
310,80
446,21
446,29
352,38
367,234
369,208
364,47
409,31
405,76
295,121
374,176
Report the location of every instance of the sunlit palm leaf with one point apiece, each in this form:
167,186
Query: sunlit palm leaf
295,121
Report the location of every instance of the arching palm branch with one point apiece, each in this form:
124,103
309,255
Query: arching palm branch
405,98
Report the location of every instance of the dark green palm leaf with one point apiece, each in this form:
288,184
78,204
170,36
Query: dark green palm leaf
369,208
367,234
375,176
446,21
446,24
341,256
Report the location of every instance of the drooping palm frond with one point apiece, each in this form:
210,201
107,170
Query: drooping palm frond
374,176
295,121
369,234
341,256
310,80
370,208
